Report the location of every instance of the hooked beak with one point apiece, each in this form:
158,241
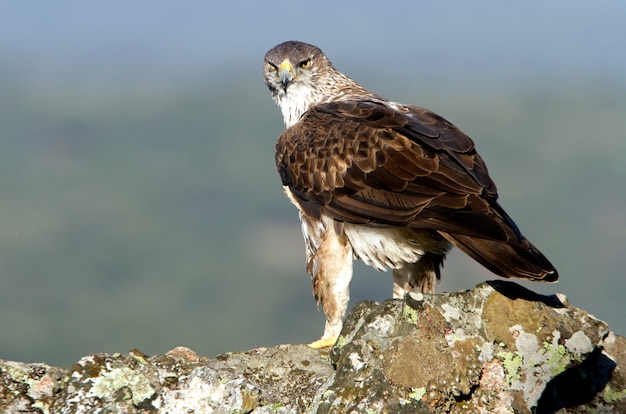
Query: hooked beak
285,73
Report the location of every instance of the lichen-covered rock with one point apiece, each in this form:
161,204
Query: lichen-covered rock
498,348
287,376
282,379
30,388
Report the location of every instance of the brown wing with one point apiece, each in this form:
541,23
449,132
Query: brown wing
367,162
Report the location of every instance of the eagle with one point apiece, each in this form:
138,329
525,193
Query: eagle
393,185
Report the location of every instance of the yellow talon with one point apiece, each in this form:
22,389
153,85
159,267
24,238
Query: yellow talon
323,343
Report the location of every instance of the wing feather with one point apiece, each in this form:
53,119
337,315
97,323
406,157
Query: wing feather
385,165
376,163
368,161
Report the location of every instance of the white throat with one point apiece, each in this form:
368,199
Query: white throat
294,102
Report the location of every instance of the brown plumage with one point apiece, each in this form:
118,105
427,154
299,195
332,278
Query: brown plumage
389,183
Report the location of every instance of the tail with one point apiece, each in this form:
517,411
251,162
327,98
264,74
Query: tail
516,257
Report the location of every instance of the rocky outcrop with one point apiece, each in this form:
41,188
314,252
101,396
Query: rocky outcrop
496,348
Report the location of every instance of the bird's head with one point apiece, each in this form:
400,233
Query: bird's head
298,76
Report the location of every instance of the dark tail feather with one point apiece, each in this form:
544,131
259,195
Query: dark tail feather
507,259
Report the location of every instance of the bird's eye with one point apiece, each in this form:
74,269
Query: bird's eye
271,67
305,64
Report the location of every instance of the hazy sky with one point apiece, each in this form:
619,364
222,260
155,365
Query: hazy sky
190,38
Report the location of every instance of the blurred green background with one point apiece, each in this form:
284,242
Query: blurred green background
139,202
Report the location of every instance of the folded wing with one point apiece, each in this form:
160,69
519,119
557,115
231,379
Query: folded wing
376,163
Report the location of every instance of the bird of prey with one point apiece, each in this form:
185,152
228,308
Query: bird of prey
391,184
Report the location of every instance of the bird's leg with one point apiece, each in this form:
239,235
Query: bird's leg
332,272
427,272
419,276
401,280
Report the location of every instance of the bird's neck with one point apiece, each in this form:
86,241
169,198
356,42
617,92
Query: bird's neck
298,99
294,102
